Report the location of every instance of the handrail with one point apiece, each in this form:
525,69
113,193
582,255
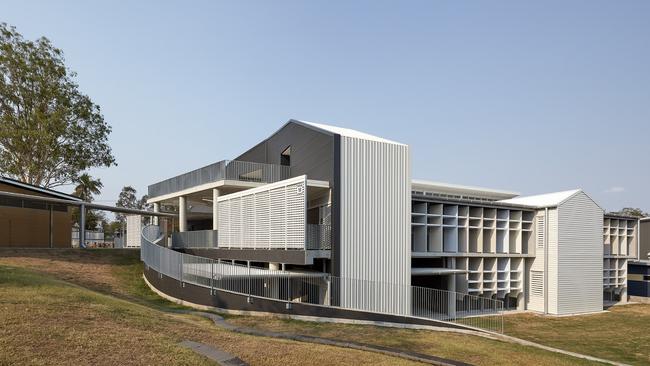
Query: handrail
324,290
223,170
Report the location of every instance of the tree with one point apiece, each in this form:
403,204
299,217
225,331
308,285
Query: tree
110,228
50,132
128,198
86,189
631,211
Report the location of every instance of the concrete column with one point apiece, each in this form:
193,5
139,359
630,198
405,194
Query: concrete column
451,301
274,266
623,296
451,287
215,209
325,292
182,214
156,208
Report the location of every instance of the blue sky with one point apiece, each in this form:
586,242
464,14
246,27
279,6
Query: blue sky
528,96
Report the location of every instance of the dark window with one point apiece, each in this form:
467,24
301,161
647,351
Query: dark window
285,157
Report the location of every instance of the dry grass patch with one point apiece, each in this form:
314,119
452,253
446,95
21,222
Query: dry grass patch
47,321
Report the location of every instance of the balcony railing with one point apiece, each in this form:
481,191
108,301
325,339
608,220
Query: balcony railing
318,237
223,170
195,239
325,290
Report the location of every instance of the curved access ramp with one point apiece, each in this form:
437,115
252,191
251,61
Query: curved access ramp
212,284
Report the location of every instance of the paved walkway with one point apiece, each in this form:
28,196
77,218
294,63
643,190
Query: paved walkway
223,358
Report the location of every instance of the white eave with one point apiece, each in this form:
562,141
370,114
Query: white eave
461,190
435,271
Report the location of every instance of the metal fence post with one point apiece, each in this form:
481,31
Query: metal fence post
181,271
248,264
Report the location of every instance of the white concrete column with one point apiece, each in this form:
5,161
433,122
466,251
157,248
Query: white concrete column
182,214
156,208
451,287
451,301
215,209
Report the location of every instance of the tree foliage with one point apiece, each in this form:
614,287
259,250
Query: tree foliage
86,189
128,198
631,211
50,132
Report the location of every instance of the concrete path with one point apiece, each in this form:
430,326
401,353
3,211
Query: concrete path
223,358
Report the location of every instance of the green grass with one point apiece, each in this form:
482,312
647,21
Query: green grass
621,334
119,274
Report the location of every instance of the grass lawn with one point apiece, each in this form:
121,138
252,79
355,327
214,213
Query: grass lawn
49,321
620,334
114,307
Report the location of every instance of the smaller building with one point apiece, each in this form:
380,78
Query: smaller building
565,277
31,223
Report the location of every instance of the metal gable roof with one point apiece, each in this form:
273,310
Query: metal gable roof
543,200
34,188
347,132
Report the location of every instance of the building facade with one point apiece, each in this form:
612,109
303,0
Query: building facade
35,224
328,201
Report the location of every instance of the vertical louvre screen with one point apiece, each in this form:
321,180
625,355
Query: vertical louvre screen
269,217
541,229
537,283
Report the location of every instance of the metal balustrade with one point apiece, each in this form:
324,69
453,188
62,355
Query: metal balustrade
222,170
195,239
317,237
323,289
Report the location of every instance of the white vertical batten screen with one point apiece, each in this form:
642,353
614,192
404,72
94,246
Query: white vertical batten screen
375,241
272,216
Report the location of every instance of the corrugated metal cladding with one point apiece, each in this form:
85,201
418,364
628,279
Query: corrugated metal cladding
311,151
580,262
552,263
269,217
376,215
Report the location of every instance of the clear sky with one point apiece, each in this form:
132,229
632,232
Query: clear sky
528,96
